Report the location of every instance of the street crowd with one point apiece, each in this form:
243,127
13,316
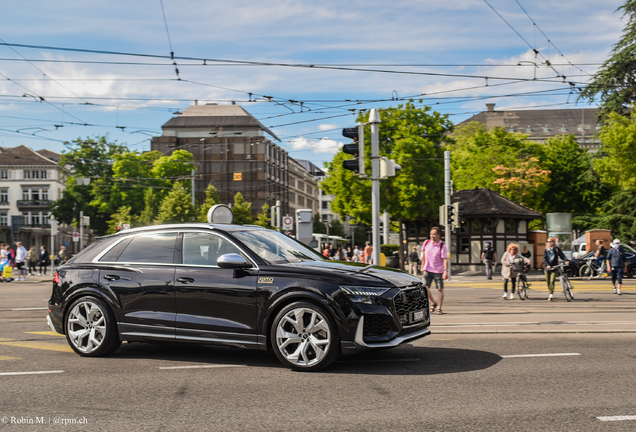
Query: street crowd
16,263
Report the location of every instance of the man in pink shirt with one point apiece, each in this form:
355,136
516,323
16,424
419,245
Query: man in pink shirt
435,266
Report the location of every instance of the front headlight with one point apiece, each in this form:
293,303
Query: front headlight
362,294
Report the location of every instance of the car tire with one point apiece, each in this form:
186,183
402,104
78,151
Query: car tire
304,337
90,328
631,271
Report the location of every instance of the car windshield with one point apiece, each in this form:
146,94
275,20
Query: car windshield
276,248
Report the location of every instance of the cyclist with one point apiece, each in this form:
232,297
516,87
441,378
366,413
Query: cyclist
509,258
616,262
551,256
600,255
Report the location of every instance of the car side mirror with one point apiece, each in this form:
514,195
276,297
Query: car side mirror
232,261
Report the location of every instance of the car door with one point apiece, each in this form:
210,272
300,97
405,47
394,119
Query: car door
214,304
139,272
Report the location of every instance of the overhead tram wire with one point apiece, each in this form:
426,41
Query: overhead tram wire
176,68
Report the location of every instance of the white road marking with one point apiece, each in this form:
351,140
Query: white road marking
33,308
541,355
31,373
616,418
201,366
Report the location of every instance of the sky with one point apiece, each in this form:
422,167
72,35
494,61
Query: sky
77,69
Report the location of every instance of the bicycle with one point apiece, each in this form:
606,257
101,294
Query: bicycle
522,279
566,285
591,269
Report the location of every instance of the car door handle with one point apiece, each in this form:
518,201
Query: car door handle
115,277
185,280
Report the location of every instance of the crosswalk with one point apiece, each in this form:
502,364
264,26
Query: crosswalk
41,345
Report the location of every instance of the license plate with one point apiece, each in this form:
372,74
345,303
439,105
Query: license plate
417,316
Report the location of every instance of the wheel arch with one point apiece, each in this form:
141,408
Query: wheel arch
88,290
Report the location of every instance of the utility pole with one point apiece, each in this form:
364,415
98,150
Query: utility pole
374,120
447,202
81,224
192,172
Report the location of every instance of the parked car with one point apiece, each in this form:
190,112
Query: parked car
576,264
241,286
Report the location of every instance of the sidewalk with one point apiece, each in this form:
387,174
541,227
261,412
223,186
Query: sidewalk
33,279
480,276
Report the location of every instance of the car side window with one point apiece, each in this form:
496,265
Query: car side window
204,248
156,248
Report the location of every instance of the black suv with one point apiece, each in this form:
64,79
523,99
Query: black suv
242,286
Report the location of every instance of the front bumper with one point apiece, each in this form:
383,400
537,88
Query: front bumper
408,334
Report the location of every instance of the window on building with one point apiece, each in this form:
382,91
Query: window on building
301,186
35,219
309,203
292,182
3,219
4,196
46,219
292,197
43,174
35,174
487,226
25,194
4,174
25,218
309,190
301,200
45,194
325,205
27,174
35,194
476,226
511,226
464,245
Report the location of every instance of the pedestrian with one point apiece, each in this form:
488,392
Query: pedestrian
368,253
525,252
44,260
435,267
414,259
490,257
340,254
7,271
325,252
20,260
61,254
551,256
349,253
616,261
601,257
32,260
332,252
508,272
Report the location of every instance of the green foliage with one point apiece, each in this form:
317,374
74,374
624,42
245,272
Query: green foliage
618,168
264,218
388,249
151,207
412,137
360,235
89,158
122,215
242,210
211,199
318,226
336,228
618,215
615,81
176,207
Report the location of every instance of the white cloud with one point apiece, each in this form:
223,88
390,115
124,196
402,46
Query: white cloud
324,145
324,127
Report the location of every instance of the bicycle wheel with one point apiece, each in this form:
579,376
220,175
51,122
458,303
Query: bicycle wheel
523,289
567,288
586,271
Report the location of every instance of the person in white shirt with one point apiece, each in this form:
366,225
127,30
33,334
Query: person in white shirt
20,260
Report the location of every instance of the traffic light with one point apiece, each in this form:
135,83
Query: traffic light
388,167
450,218
443,216
455,216
119,227
356,149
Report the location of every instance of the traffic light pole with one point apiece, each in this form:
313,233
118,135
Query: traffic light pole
447,202
374,121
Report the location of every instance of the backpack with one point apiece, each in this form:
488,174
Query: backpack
490,253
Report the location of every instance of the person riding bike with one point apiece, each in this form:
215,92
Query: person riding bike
600,256
551,256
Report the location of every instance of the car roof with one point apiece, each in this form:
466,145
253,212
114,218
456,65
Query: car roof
189,225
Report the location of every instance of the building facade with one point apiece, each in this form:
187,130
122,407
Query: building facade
29,183
232,152
540,124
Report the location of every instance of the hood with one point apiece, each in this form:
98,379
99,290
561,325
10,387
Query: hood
354,273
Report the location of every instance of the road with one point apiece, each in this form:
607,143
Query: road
490,364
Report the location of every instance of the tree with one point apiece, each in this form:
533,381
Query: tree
336,228
121,216
264,218
615,81
211,199
176,207
411,136
618,167
525,179
242,210
151,207
89,158
618,215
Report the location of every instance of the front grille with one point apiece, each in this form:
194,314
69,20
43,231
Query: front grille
410,300
375,325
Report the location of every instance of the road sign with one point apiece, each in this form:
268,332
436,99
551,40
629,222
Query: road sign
288,223
75,236
288,233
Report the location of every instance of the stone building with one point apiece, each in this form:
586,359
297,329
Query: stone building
541,124
232,151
